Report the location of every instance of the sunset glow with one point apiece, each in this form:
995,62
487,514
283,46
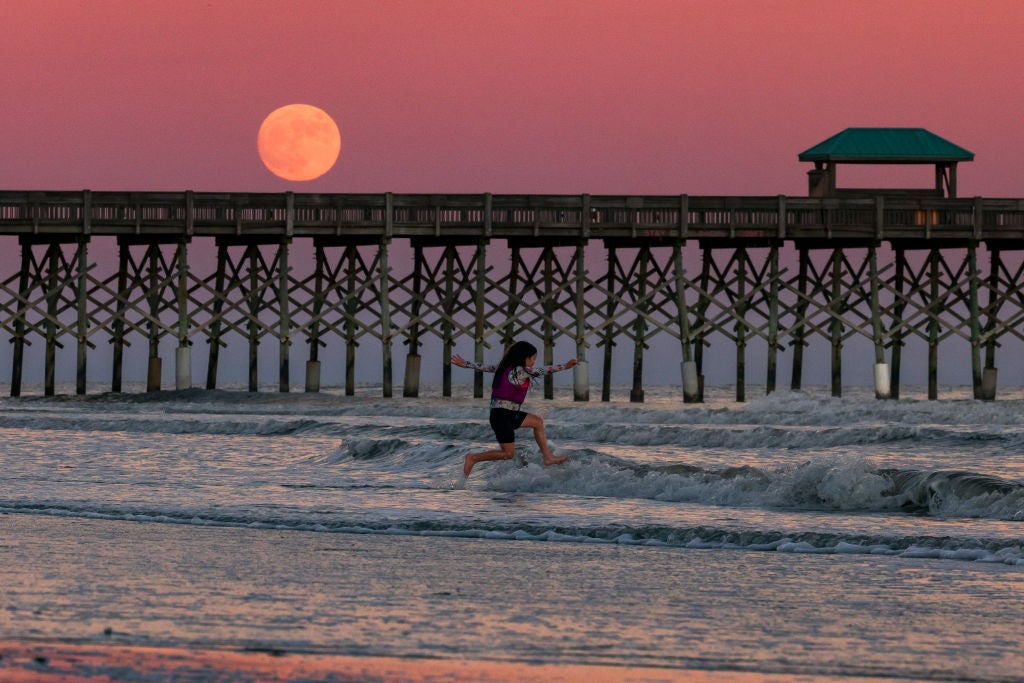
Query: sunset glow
594,96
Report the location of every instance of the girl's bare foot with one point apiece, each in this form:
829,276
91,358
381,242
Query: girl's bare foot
467,466
554,460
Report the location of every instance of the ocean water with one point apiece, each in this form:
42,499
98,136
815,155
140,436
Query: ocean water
797,478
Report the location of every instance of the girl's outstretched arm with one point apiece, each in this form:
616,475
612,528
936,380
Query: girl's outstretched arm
463,363
546,370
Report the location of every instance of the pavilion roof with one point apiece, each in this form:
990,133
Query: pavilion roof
886,146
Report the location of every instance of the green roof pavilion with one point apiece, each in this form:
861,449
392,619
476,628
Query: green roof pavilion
884,146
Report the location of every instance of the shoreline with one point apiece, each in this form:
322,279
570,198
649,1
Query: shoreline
143,601
25,661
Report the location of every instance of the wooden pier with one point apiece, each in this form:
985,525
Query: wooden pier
594,272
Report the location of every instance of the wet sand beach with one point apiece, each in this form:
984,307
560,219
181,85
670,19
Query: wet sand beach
66,663
141,601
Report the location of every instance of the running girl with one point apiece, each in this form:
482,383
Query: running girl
508,391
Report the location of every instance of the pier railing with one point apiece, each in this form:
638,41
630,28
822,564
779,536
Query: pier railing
776,271
562,216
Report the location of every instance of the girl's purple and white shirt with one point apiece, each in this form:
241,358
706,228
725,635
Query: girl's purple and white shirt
517,376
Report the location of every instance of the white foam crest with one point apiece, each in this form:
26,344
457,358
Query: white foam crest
824,483
992,505
833,483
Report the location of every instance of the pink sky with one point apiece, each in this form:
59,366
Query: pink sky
653,97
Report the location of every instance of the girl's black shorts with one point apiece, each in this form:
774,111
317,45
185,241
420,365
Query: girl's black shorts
505,422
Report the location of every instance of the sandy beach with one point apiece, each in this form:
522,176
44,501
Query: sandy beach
154,602
25,662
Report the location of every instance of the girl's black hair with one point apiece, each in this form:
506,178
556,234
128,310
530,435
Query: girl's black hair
515,356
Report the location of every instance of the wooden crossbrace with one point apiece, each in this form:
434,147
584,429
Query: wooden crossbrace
237,282
924,308
66,278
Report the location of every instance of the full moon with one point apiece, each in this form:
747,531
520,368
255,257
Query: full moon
298,142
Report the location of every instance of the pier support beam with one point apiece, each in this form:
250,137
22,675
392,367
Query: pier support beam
881,374
581,374
691,388
254,300
154,293
988,384
448,308
934,306
217,310
480,313
703,302
183,354
312,376
975,319
17,362
609,333
636,395
121,307
351,309
741,326
548,308
836,325
897,329
53,287
385,317
313,363
796,381
411,385
82,306
451,292
773,320
989,373
183,368
284,329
